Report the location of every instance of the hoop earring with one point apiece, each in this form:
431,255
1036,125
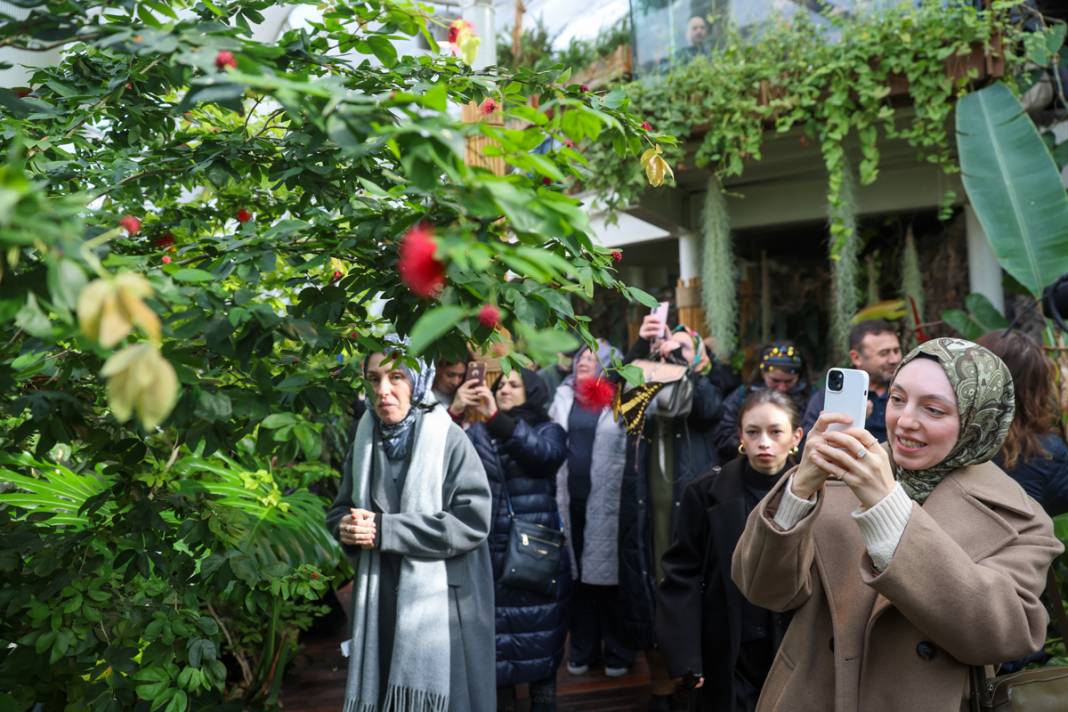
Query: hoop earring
741,448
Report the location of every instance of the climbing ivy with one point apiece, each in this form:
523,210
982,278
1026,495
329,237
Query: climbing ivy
834,82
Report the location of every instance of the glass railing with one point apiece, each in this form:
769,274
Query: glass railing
670,32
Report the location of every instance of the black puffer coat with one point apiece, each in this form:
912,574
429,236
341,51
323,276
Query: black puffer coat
524,458
694,455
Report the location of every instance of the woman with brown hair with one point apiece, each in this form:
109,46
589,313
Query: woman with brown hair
1034,454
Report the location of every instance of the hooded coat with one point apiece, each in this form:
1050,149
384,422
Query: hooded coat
693,455
521,450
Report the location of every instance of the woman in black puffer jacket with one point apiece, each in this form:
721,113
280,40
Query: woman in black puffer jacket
521,450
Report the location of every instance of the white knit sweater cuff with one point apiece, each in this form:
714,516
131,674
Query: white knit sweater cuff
883,525
792,509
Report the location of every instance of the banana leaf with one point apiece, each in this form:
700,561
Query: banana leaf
1014,187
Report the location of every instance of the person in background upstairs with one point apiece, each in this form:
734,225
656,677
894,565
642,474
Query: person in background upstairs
1034,453
873,347
521,450
781,367
711,637
906,563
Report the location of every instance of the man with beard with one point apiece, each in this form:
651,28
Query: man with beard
873,347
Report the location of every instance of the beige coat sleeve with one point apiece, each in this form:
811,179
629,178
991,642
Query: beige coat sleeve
771,567
980,612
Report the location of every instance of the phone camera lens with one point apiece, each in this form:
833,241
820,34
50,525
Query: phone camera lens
835,379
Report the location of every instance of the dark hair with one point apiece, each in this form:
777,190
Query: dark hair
1032,377
869,327
767,396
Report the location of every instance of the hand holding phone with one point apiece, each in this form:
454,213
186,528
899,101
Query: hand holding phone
476,370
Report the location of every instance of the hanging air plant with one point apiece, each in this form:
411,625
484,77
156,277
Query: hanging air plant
718,278
872,268
844,247
912,287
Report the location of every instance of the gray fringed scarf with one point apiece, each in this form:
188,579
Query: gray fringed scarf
418,677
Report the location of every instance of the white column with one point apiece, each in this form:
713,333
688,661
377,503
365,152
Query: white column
481,15
689,256
984,272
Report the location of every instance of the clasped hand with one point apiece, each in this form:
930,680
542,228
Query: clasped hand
358,528
852,456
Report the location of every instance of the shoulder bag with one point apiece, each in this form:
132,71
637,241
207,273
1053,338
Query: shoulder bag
675,398
1041,690
532,562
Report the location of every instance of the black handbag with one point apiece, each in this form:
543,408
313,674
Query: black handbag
1041,690
532,562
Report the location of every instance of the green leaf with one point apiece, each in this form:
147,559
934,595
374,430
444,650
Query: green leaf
65,282
32,320
383,49
189,274
984,313
431,325
278,420
1014,187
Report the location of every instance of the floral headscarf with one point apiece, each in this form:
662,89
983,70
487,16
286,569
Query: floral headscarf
985,402
397,438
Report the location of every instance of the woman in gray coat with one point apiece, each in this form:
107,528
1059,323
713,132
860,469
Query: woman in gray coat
413,514
587,493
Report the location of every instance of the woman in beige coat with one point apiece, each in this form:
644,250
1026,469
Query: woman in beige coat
904,564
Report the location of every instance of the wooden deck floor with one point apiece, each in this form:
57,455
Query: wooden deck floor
316,683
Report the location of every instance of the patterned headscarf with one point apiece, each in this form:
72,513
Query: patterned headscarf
701,363
985,402
397,438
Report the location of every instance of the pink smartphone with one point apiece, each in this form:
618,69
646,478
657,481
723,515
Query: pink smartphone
661,313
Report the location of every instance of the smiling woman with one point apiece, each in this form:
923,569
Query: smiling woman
937,523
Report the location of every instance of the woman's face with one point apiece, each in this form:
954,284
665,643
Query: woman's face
587,365
391,391
779,380
510,391
685,345
768,437
922,421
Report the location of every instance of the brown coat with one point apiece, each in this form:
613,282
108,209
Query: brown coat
962,589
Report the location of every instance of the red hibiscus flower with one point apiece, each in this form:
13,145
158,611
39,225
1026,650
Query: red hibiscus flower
489,316
419,271
132,224
594,394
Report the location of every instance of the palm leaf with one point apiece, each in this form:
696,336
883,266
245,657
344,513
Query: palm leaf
1014,187
55,489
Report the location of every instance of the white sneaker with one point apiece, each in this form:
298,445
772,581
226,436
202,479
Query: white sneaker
616,671
574,669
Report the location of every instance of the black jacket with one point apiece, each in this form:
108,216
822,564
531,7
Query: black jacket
530,629
1045,479
694,455
725,435
699,608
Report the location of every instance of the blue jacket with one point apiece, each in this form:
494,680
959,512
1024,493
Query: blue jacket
530,629
1045,479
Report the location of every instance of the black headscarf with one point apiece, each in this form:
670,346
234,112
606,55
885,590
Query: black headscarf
535,409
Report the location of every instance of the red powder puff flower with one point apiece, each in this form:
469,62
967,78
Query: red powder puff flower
164,241
489,316
132,224
569,143
166,259
419,271
488,107
336,276
224,60
546,181
243,216
647,126
594,394
617,256
584,88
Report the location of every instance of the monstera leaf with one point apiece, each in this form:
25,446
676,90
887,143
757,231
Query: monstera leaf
1014,187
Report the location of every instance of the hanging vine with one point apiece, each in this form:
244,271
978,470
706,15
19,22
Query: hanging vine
833,82
911,286
844,247
718,279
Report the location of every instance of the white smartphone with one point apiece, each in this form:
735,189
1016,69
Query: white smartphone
847,392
